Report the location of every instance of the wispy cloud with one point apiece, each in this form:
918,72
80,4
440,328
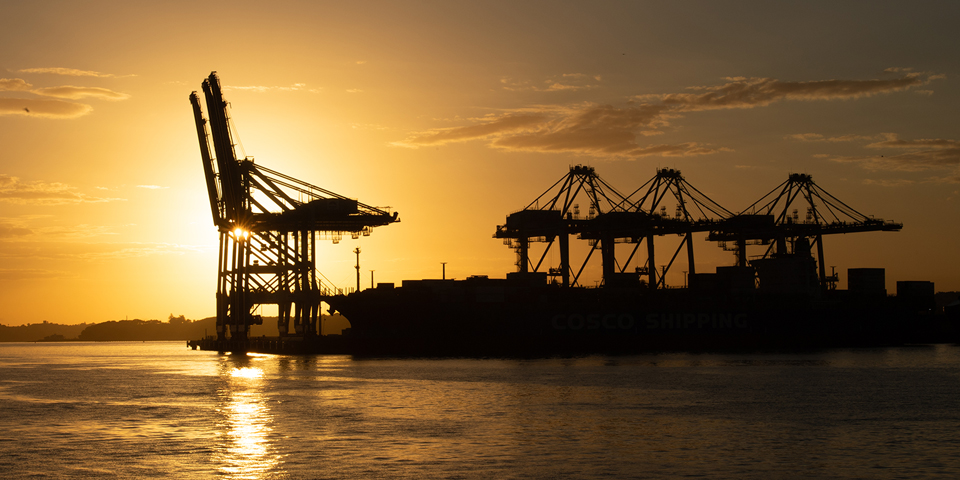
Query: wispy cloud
47,107
20,274
296,87
596,130
8,230
367,126
13,190
889,182
741,92
508,124
14,85
152,187
76,231
37,228
131,250
898,154
558,83
75,93
92,251
921,154
816,137
40,107
603,130
72,72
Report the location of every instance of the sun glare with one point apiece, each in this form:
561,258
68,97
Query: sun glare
246,372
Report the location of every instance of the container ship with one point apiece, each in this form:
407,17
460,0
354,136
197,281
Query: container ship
525,314
778,295
783,298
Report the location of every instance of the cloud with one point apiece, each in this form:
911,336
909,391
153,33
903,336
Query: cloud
36,228
598,130
806,137
296,87
892,140
889,183
507,124
816,137
152,187
12,231
12,190
73,72
37,107
137,249
49,108
19,274
595,130
741,92
367,126
14,85
76,231
604,130
75,93
557,83
557,86
66,250
98,251
917,155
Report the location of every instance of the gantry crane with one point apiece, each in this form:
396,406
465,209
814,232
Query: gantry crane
770,222
269,224
612,218
694,212
555,215
642,216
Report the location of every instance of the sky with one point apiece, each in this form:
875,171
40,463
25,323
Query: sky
455,115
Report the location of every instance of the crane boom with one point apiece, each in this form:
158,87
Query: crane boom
209,170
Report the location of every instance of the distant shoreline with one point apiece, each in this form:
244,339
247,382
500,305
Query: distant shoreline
175,329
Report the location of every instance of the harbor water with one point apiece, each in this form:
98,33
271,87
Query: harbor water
159,410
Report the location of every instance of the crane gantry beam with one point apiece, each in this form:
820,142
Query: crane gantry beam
555,215
769,221
612,218
695,212
643,216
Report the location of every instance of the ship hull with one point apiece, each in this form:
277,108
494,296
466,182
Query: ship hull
491,317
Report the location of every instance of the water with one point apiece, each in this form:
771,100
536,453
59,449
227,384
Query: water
158,410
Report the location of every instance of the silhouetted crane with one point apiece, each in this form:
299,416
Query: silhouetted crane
555,215
693,212
775,222
269,224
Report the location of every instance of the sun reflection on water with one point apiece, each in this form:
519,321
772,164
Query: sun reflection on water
246,372
246,450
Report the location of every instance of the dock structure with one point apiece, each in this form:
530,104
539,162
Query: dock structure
611,218
774,222
668,204
269,224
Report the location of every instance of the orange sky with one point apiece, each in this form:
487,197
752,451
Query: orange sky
454,116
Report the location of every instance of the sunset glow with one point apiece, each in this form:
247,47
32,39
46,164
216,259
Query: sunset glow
454,116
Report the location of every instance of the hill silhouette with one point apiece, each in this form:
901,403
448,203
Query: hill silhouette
175,328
